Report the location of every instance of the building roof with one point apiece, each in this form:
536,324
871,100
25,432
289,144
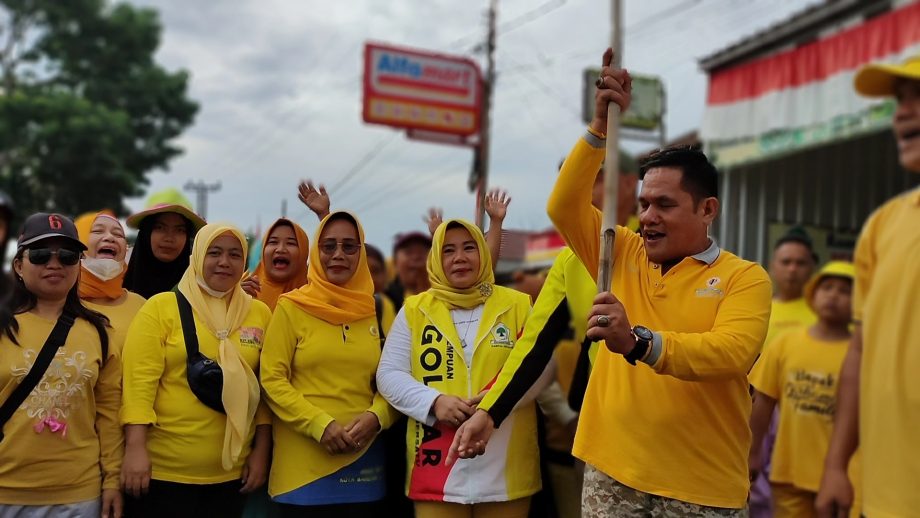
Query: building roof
800,28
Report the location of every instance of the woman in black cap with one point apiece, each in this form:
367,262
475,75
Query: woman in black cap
60,439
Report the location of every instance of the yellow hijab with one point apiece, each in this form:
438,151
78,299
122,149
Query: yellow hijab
336,304
271,290
440,287
223,316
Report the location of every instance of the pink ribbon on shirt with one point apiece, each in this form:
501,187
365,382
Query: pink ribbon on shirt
53,424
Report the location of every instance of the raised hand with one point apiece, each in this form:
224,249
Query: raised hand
317,200
497,201
433,219
613,86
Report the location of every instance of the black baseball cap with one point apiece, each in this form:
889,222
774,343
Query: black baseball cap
45,225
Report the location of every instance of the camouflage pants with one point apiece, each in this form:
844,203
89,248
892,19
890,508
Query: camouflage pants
604,497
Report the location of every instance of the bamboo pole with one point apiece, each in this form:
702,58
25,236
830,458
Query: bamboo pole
611,165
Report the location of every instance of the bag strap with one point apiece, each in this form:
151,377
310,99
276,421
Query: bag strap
378,310
54,341
188,324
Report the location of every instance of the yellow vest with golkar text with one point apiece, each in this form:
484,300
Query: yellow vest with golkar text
510,467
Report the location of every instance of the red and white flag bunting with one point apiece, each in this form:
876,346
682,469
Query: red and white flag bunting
809,85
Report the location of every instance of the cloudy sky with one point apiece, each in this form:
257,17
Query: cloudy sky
279,83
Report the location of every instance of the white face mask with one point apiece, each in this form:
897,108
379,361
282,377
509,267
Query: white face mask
105,269
210,291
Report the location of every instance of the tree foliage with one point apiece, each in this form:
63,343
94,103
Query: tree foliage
85,111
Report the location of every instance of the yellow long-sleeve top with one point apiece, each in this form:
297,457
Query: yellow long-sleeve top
677,428
186,437
120,317
39,466
314,373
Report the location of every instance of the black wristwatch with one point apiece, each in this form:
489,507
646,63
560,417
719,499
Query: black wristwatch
644,339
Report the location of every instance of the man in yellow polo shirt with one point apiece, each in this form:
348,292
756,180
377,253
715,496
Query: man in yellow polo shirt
664,425
878,403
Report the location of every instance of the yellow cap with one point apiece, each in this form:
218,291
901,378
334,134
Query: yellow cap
843,269
877,79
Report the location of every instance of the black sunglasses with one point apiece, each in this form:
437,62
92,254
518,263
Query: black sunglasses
350,247
66,256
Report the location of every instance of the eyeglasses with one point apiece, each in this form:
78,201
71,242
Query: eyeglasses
350,247
66,256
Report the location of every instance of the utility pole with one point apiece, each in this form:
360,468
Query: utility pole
201,191
481,159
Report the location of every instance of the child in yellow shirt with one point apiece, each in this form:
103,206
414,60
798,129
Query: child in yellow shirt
799,370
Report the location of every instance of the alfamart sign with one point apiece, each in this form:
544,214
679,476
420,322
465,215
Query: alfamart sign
420,90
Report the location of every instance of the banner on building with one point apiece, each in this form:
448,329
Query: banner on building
805,96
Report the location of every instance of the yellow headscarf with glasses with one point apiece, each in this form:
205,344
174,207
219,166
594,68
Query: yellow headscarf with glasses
327,301
223,314
441,288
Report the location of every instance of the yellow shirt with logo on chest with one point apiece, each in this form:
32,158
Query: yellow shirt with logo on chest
186,437
677,428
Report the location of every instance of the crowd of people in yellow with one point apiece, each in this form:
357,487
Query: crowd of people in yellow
168,380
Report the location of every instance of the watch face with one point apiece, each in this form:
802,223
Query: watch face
643,333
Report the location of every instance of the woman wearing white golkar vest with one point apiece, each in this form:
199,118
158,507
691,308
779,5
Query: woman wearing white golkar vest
443,352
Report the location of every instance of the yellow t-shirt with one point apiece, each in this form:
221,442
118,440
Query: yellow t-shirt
678,428
801,373
788,315
72,464
312,373
186,437
885,301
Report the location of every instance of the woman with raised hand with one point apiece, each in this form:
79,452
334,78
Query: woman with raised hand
60,439
443,351
318,367
197,438
496,206
162,249
283,267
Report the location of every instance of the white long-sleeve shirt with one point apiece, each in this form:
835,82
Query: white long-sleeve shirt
412,397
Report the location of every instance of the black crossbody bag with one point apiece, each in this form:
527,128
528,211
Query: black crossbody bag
204,375
54,342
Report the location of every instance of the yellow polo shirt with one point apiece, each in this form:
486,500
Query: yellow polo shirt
677,428
885,300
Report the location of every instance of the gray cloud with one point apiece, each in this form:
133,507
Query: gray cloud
280,87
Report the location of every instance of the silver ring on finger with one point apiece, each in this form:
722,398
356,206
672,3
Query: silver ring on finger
603,321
